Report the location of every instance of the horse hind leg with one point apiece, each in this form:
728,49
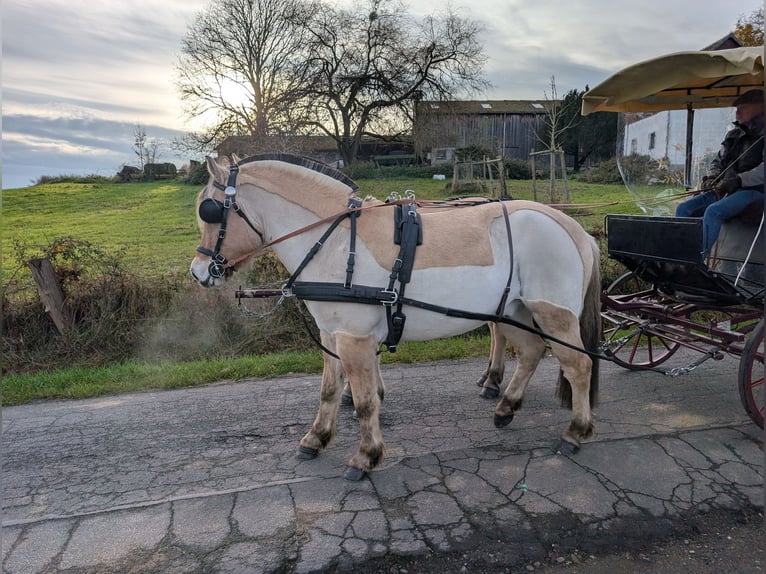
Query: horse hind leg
575,378
529,350
347,398
324,427
492,377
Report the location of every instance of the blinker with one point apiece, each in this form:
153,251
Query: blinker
211,210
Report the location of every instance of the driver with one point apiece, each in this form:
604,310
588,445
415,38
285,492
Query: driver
734,182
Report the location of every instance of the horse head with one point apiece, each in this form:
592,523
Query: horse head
229,231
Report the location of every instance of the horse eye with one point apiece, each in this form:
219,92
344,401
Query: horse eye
211,211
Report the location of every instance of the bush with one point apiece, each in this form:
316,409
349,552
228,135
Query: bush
473,152
603,172
118,315
516,168
369,170
197,174
92,178
154,171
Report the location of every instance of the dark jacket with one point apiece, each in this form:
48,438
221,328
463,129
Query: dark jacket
749,167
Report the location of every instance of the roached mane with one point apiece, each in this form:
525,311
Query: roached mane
306,162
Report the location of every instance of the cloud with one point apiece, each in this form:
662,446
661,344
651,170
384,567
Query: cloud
35,146
79,75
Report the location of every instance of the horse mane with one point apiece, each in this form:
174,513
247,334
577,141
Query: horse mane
306,162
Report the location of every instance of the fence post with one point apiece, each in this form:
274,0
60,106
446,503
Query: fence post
51,294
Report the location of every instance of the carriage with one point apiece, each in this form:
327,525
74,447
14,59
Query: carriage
670,298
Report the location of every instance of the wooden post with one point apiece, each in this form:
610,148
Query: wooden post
488,176
455,174
50,294
564,175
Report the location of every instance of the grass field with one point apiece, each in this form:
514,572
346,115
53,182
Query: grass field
152,226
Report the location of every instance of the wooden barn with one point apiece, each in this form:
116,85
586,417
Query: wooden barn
507,128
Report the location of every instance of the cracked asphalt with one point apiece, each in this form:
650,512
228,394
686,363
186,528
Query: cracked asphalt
206,479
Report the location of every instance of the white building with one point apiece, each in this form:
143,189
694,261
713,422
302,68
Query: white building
662,136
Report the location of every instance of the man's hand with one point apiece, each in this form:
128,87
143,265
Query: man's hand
707,183
727,186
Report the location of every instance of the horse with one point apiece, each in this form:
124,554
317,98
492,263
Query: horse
521,265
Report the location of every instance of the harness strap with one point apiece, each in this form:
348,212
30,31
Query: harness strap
336,292
320,242
507,290
353,203
409,234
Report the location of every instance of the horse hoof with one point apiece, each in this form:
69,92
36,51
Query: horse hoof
347,400
353,474
307,453
567,448
489,393
503,420
480,382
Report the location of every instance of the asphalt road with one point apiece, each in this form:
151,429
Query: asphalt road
206,479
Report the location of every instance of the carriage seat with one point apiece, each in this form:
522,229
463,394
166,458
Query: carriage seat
752,214
734,243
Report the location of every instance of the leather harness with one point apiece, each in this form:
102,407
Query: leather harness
408,234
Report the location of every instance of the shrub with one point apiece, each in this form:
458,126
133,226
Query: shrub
603,172
154,171
118,315
92,178
361,170
473,152
516,168
369,170
197,174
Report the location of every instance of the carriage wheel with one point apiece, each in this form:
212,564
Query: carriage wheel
752,390
631,346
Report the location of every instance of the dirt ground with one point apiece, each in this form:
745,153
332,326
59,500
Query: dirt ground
717,544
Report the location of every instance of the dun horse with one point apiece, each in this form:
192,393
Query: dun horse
518,264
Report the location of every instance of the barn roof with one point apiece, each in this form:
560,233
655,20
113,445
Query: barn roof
478,107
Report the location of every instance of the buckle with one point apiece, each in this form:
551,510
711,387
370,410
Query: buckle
394,297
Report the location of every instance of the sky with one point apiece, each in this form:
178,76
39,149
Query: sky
78,77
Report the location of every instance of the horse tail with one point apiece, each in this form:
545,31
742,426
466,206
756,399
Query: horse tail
590,332
590,321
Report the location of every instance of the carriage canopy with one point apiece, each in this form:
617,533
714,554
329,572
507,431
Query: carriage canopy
683,80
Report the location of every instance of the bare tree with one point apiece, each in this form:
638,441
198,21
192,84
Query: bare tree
146,149
367,74
241,67
557,120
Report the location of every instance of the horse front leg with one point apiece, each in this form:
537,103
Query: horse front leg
492,377
323,429
529,350
362,367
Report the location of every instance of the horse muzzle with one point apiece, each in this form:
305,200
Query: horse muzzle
208,273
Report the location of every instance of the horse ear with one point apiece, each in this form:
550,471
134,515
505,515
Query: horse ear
215,170
235,158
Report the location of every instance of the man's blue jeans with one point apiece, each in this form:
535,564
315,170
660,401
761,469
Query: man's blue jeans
715,211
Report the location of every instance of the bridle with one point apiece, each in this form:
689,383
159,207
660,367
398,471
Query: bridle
213,211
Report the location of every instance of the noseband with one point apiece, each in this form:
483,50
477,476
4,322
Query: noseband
213,211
